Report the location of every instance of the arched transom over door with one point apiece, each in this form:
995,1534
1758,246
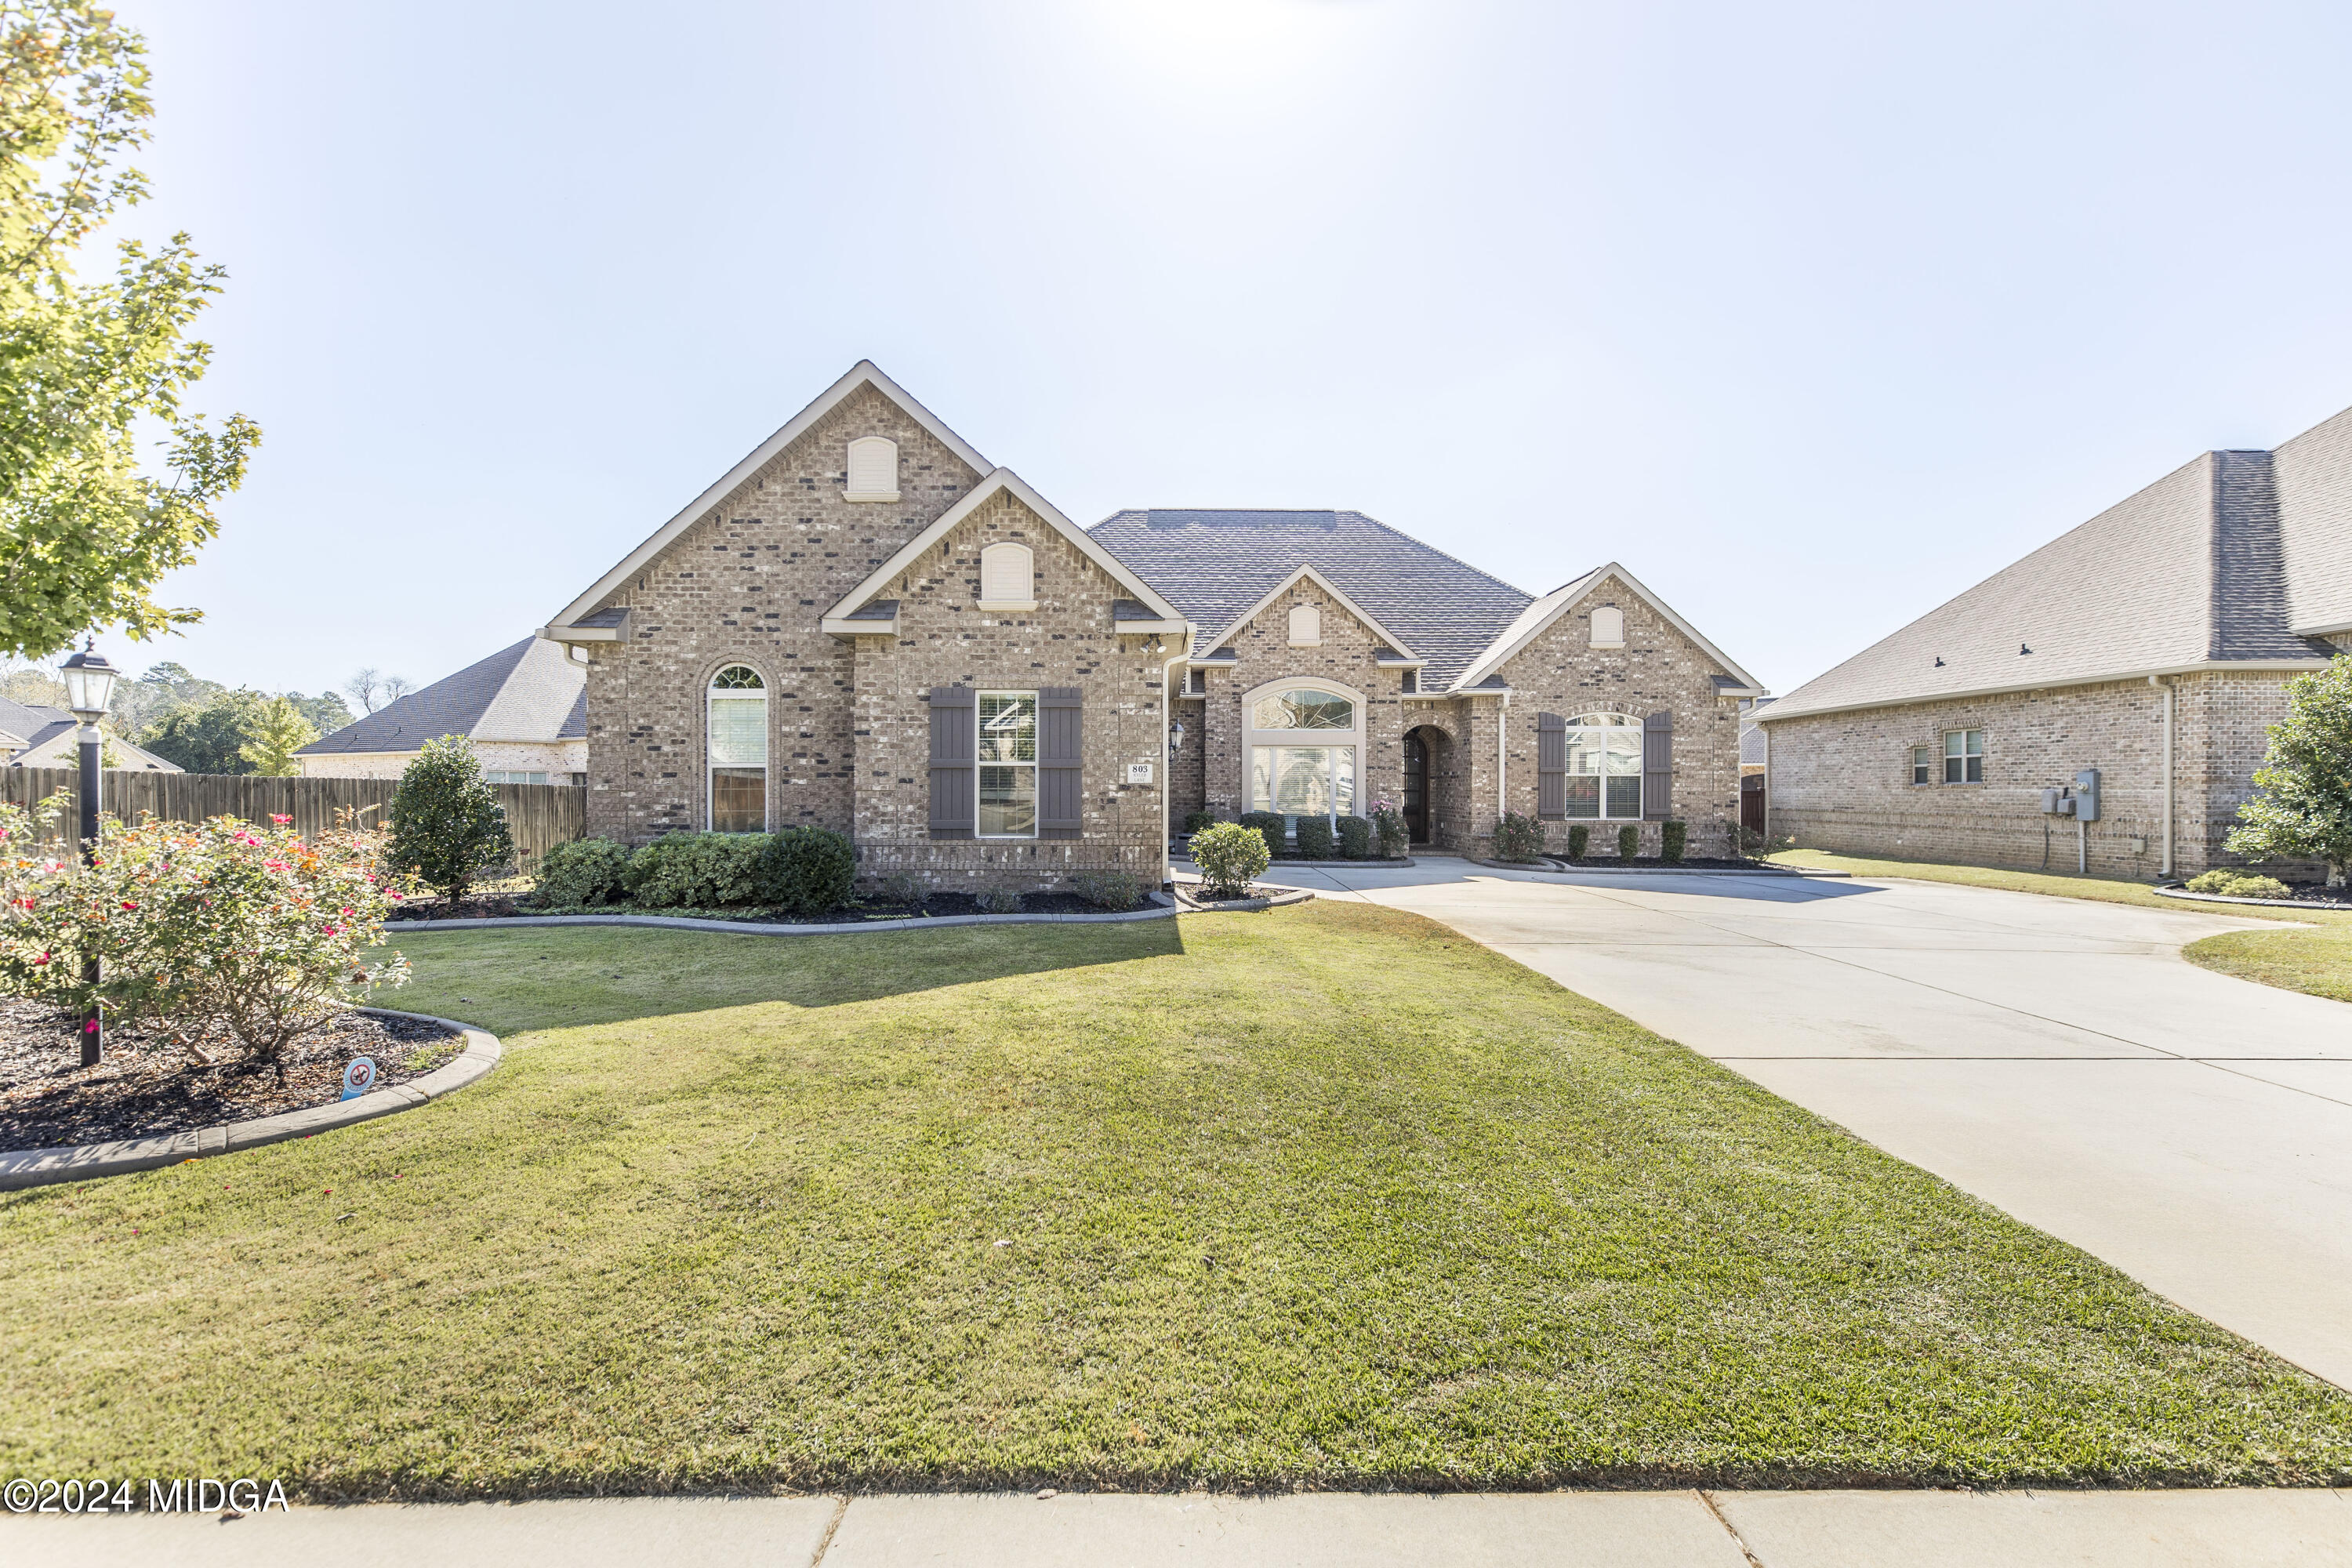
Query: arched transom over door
1304,749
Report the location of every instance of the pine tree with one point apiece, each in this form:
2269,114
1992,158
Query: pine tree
274,737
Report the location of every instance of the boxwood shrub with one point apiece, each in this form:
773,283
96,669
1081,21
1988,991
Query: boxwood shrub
1231,855
1269,824
1196,820
1580,839
1628,841
1314,836
1672,839
584,871
1355,838
805,870
1519,837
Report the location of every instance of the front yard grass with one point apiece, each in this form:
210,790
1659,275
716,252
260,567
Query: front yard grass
1328,1196
2313,953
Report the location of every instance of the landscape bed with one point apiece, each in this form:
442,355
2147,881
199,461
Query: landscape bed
1325,1197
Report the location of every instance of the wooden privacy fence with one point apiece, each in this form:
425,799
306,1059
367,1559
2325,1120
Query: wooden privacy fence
539,815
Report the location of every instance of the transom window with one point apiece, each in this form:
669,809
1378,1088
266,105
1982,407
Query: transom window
1963,756
738,751
1008,765
1306,709
1604,767
1304,751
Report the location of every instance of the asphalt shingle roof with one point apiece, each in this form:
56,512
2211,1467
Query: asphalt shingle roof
2193,568
530,692
2315,493
1213,564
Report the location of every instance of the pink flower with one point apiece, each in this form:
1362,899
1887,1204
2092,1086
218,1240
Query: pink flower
275,865
90,1027
281,821
43,959
129,905
331,931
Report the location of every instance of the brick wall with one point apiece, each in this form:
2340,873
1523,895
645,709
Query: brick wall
558,759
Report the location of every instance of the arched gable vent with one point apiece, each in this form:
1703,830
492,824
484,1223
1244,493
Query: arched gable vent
873,468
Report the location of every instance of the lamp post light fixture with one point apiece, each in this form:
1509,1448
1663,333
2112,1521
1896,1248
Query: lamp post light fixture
89,688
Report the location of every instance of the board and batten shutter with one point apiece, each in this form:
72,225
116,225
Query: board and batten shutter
1060,777
1657,767
955,747
1551,767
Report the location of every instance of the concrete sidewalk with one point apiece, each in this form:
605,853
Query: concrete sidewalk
1324,1530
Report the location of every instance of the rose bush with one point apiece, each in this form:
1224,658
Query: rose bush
206,933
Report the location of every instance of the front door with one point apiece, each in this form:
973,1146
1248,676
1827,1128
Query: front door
1416,787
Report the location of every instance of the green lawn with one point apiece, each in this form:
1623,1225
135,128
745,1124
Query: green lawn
2314,954
1325,1196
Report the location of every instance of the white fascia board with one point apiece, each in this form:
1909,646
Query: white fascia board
1518,637
580,634
1159,627
1320,581
864,372
843,627
1007,480
1780,709
2317,631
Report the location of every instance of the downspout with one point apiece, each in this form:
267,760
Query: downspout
2166,686
1767,848
1167,760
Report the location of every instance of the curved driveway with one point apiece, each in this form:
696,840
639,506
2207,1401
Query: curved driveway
2055,1056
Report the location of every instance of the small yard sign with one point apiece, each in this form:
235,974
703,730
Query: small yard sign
359,1077
1139,772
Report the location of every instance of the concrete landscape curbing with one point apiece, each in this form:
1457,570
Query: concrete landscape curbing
1276,900
2180,890
1163,906
22,1168
1571,868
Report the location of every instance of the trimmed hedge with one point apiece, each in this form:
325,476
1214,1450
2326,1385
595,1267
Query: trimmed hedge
1231,855
1314,835
1519,838
1268,824
1196,820
1355,838
1580,839
807,870
1628,841
1673,839
1113,891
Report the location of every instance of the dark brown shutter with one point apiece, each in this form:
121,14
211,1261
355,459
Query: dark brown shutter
1657,767
1060,792
1551,767
955,745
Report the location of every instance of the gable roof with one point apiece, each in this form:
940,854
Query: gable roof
1531,621
864,374
1399,649
2314,473
530,692
39,736
1213,564
999,480
2190,573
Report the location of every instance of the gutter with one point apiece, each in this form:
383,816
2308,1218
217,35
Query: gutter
1780,709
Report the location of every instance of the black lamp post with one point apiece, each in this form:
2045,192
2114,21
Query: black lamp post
89,688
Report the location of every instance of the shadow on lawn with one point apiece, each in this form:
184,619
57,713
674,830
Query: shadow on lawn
520,980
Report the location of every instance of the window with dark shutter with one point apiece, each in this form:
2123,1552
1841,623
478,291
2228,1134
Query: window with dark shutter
1657,767
953,751
1551,767
1060,788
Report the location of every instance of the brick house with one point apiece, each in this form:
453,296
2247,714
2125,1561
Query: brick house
868,627
524,708
2152,644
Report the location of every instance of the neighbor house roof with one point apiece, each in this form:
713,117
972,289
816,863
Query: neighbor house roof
531,692
43,737
2189,573
2315,498
1214,564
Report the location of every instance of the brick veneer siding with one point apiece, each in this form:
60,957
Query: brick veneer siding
1658,670
1188,773
747,584
1451,806
1840,781
945,639
557,759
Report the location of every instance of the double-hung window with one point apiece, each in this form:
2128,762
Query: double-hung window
1923,764
1963,756
1008,765
1604,767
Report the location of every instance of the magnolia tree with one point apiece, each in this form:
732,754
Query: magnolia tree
206,933
2304,811
447,827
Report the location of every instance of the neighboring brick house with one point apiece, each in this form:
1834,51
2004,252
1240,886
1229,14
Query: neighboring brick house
2152,643
524,708
866,626
32,735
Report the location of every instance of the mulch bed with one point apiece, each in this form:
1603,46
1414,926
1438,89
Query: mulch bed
935,904
143,1088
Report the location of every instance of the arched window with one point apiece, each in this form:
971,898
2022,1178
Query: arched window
1306,625
1304,749
873,468
1008,577
1604,766
1608,626
738,751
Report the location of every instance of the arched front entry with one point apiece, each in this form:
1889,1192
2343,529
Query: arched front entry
1424,751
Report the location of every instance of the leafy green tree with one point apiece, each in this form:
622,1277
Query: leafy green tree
210,737
447,827
85,535
326,711
2304,809
280,731
140,705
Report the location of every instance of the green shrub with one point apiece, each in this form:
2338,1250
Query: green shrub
999,901
2212,881
1580,838
1109,890
1314,836
1388,821
447,825
697,870
2234,883
584,871
1672,838
1269,824
1196,820
1519,838
1628,841
804,870
1231,855
1355,838
905,888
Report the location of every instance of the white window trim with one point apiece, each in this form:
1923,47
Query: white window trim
1640,774
767,746
1029,603
1950,756
849,469
1036,793
1913,765
1253,737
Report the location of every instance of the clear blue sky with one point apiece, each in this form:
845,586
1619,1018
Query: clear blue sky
1812,315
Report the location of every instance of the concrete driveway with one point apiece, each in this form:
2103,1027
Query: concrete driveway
2055,1056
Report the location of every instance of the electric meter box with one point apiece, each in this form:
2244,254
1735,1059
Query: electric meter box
2086,796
